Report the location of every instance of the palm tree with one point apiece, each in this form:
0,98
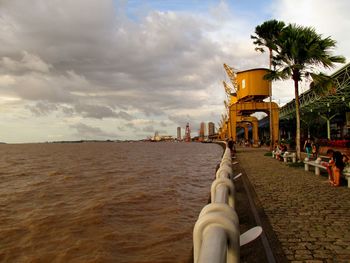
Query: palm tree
265,36
300,51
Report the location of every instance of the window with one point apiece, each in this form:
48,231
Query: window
243,83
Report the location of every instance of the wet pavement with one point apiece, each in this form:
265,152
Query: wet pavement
304,218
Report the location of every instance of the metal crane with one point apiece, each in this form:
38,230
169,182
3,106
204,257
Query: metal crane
232,75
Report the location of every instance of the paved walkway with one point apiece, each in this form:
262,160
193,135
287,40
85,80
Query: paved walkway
310,218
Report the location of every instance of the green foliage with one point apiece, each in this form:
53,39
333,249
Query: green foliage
299,50
266,34
296,52
322,84
268,154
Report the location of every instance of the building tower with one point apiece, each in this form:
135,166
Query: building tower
187,133
202,131
211,128
178,133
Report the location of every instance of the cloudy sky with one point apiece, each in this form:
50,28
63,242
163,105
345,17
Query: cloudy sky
103,69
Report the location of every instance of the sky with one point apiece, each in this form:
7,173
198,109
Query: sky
103,69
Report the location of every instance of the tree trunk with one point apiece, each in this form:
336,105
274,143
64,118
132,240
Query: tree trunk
272,139
297,114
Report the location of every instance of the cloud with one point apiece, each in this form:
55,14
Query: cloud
124,115
149,129
97,62
7,80
85,131
94,111
41,108
148,61
314,13
29,62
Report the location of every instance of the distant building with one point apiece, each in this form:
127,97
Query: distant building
166,138
178,133
202,131
187,133
158,138
211,128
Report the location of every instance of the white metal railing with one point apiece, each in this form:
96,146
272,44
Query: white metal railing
216,236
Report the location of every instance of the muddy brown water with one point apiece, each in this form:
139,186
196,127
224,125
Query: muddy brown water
102,202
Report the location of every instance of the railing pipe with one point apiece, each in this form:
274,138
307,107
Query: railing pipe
214,246
221,195
216,223
216,236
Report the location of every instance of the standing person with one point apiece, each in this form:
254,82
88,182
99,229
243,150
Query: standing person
314,150
336,165
231,146
307,147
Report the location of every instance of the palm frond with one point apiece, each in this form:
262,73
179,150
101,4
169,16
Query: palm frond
260,49
322,84
277,75
267,33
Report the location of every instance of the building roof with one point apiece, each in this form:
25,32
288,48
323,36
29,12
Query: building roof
313,101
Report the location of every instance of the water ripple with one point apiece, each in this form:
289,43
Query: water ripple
102,202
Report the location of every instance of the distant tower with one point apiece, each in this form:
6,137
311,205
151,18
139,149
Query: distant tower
211,128
156,136
202,131
179,133
187,133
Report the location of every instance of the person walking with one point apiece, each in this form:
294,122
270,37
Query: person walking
307,147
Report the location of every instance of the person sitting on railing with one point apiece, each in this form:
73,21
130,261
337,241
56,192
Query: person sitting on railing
336,165
315,149
283,149
279,151
275,149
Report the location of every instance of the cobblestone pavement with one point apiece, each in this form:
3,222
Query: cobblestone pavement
310,218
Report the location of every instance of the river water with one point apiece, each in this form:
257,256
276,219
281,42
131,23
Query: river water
102,202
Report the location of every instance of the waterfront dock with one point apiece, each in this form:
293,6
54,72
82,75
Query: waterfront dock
303,217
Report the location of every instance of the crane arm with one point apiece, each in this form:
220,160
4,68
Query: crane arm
232,75
226,104
228,89
224,117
